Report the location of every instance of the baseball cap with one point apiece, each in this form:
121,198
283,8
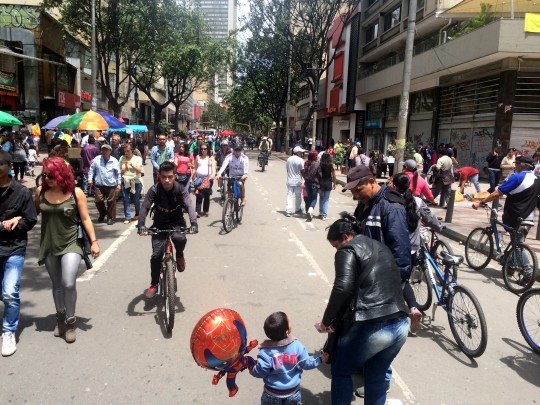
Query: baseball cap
356,174
298,149
410,164
101,139
105,146
224,143
238,147
525,160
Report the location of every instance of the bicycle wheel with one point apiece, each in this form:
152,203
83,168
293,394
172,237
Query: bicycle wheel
478,248
239,211
519,269
38,180
421,285
227,216
467,321
528,317
439,247
263,163
169,295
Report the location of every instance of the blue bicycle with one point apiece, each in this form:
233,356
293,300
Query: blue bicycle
232,207
518,260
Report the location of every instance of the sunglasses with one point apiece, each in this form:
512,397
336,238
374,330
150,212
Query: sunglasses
48,176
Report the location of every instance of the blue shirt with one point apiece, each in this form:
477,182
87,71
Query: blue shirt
522,190
105,173
157,157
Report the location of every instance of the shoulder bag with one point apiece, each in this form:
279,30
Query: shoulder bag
82,237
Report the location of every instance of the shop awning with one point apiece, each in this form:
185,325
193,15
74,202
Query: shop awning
7,51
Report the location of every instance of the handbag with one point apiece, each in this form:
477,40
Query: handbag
205,184
181,177
82,238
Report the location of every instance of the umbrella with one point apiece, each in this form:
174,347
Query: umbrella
52,124
91,121
8,119
227,132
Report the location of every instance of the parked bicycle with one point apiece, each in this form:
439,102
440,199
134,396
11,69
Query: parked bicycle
232,207
168,286
528,317
465,315
518,260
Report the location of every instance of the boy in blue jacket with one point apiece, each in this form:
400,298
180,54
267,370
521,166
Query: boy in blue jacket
280,362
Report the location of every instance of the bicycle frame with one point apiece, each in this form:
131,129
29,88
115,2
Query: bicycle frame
447,279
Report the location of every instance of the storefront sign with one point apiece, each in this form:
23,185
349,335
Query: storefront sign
67,100
86,96
8,82
373,124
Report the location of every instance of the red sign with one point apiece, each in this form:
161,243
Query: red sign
86,96
67,100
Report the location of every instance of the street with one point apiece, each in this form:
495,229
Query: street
268,263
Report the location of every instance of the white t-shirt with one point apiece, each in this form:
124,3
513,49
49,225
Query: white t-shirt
295,165
204,167
32,155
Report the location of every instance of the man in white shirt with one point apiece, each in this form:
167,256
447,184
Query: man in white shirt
295,170
238,165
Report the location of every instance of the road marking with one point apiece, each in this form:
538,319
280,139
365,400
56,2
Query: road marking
311,260
409,396
102,259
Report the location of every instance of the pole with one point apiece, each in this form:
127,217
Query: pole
405,88
94,61
287,106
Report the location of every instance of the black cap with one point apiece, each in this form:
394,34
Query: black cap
525,160
238,147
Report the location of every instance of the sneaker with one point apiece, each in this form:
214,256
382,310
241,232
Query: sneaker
110,221
127,221
525,280
310,213
288,214
416,318
324,218
361,393
8,344
101,218
152,291
299,211
180,264
219,189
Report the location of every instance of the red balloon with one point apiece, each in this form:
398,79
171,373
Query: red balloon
219,339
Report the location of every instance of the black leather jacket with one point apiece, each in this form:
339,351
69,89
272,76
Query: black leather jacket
367,283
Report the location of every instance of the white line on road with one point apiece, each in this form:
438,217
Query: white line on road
98,264
409,396
311,260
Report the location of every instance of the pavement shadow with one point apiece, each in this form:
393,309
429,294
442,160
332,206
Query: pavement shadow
492,275
47,323
525,363
320,398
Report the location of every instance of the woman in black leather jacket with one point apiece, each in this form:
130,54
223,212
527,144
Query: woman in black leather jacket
366,292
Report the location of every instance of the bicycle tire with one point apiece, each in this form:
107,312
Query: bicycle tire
514,275
169,295
462,319
239,211
38,180
477,253
263,163
227,215
421,285
438,247
528,318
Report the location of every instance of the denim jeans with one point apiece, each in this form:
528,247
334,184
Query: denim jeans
294,399
10,274
474,180
371,346
126,195
494,177
297,192
324,196
311,199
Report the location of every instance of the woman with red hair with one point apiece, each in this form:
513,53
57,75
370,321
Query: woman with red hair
59,201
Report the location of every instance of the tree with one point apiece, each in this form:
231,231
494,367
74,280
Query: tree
216,115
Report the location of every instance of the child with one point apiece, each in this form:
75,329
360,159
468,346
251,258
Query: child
281,361
32,159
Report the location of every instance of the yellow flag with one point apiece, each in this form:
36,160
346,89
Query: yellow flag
532,22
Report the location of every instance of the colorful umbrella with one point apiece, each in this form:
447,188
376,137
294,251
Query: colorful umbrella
227,132
52,124
8,119
91,121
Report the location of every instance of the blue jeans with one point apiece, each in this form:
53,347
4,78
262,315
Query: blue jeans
126,194
311,199
474,180
269,399
324,196
10,274
371,346
494,177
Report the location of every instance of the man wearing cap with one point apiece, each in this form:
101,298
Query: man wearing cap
238,165
105,173
17,217
521,189
295,172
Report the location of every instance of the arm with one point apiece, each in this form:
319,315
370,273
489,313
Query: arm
246,167
489,198
27,217
424,189
428,218
396,236
146,205
188,203
195,168
153,155
37,194
263,367
213,167
82,207
307,362
333,178
225,164
91,171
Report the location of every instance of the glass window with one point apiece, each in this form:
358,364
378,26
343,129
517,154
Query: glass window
392,18
371,33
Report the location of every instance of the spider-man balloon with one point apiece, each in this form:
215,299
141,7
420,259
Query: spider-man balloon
219,342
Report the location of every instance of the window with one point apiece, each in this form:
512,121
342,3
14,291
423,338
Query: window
371,32
392,18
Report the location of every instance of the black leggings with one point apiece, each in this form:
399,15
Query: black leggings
19,169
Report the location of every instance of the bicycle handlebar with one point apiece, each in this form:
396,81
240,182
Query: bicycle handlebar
155,231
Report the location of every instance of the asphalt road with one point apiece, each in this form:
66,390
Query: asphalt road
268,263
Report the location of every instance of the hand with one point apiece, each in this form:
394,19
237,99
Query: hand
90,182
142,230
194,228
10,224
243,177
218,177
118,188
94,250
475,205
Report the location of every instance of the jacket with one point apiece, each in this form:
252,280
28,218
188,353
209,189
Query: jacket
385,220
366,283
494,161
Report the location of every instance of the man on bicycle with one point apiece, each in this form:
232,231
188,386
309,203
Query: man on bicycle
238,165
220,156
169,199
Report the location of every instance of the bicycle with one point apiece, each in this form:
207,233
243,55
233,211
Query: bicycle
263,159
232,207
516,258
465,315
528,317
167,286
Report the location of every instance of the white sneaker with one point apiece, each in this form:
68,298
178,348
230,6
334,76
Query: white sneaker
310,213
8,344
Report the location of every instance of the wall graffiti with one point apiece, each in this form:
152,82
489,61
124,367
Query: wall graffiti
462,143
482,144
19,16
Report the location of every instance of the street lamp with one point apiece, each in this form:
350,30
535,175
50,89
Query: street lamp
136,98
94,61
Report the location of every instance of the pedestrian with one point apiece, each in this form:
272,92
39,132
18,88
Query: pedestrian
33,155
281,360
327,183
494,168
508,163
367,311
184,163
116,147
132,170
311,176
20,158
88,153
419,186
17,217
468,173
61,204
443,178
160,153
105,173
295,169
352,152
203,179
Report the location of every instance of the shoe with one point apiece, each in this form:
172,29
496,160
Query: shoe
135,218
205,214
299,211
198,215
325,218
9,346
361,393
110,221
127,221
101,219
180,264
60,327
219,189
152,291
416,318
524,280
71,335
288,214
310,213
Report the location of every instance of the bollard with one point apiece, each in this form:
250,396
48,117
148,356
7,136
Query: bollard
450,207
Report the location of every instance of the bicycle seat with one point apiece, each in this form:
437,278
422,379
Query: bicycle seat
449,259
